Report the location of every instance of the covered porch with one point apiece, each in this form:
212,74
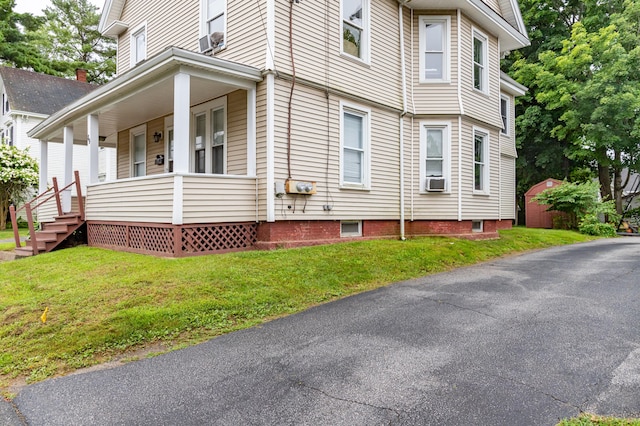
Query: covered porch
184,125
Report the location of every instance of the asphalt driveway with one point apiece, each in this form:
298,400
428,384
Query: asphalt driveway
525,340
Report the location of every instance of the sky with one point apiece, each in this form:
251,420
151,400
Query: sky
35,7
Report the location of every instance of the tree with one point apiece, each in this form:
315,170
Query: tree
587,91
16,47
18,173
70,39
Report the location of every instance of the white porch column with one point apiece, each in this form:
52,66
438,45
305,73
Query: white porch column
93,142
181,118
271,148
68,168
251,132
44,166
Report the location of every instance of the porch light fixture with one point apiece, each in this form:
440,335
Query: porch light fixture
157,136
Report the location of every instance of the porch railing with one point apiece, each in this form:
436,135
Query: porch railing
30,206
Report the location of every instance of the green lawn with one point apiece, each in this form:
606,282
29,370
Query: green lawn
8,234
591,420
102,304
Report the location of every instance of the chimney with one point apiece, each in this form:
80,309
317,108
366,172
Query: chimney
81,75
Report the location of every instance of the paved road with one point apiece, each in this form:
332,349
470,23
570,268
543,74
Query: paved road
526,340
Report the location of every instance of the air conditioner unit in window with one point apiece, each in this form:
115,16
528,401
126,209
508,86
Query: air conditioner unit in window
211,43
205,44
436,184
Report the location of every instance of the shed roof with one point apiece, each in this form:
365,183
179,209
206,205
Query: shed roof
30,91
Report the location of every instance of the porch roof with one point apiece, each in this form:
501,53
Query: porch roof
146,92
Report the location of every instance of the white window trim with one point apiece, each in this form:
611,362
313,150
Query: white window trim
484,82
446,60
507,129
366,167
206,109
358,233
137,131
203,22
366,34
133,46
446,152
486,176
168,125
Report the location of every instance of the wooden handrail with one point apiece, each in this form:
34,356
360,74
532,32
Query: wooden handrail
29,207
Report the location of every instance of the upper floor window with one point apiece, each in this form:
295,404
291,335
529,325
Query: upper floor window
480,63
435,47
139,44
355,28
214,22
504,113
480,161
355,147
435,155
5,104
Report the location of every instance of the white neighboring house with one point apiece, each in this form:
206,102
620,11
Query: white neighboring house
28,98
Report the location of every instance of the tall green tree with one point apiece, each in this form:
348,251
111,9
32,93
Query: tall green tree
16,44
70,39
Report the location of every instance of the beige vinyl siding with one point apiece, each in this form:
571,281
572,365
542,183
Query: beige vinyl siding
261,148
478,105
378,81
134,200
493,4
246,37
169,23
154,149
479,206
434,98
124,155
422,205
315,156
508,187
211,199
237,133
46,212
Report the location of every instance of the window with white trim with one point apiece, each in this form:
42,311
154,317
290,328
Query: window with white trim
480,161
351,228
354,143
435,155
480,63
138,139
139,44
210,137
169,142
5,104
213,20
435,47
355,28
504,113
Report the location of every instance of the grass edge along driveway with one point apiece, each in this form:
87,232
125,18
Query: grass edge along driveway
101,304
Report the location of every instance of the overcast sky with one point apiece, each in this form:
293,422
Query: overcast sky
35,7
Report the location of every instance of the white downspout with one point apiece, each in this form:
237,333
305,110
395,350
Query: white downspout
401,121
270,125
459,17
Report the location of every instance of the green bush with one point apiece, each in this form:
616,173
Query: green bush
591,225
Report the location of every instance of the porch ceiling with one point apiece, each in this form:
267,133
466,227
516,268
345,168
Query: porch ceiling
146,93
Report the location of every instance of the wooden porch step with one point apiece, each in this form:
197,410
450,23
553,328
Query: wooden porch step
23,251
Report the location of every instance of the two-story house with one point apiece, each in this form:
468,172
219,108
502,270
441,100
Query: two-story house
276,123
28,98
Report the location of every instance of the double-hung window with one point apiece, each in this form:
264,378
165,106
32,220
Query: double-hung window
435,155
480,63
355,146
209,144
138,44
214,22
504,113
480,161
434,44
355,28
138,138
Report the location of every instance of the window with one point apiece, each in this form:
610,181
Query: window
477,226
139,151
354,147
355,32
5,104
351,228
435,155
434,48
209,145
139,44
214,22
504,112
480,80
170,147
480,161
